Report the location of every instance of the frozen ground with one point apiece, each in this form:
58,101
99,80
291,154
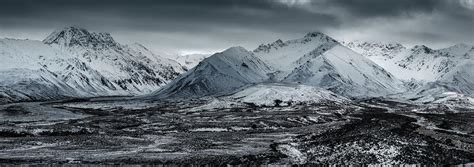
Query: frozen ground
127,131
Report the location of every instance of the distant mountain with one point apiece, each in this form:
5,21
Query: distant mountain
429,74
318,60
459,80
75,62
419,63
219,74
191,60
315,60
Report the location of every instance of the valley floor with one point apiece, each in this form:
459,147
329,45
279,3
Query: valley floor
127,131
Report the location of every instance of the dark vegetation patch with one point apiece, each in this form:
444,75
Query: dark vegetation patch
15,110
13,133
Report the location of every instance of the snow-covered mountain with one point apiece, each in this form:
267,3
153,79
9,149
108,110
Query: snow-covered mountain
130,69
191,60
75,62
419,63
219,74
318,60
459,80
315,60
429,74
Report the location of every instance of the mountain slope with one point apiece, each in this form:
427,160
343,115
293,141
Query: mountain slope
218,74
30,70
454,90
321,61
459,80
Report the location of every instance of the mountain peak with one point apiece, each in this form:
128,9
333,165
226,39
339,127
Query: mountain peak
315,34
77,36
66,35
73,29
236,50
266,47
318,35
421,49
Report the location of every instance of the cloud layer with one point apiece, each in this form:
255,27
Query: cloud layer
211,25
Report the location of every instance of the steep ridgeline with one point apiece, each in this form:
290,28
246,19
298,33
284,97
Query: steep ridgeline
318,60
75,62
375,49
218,74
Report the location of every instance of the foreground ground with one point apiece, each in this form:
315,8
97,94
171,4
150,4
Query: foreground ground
209,132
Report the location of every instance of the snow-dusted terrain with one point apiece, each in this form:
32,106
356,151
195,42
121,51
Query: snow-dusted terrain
284,95
73,62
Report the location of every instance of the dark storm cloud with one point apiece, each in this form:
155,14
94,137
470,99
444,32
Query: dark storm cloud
164,15
174,25
378,8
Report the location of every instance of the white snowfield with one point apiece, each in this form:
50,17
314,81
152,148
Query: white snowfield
287,94
75,62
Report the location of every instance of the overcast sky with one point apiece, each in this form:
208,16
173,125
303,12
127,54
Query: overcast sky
200,26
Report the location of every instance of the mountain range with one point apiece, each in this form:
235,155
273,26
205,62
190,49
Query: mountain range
428,73
73,62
